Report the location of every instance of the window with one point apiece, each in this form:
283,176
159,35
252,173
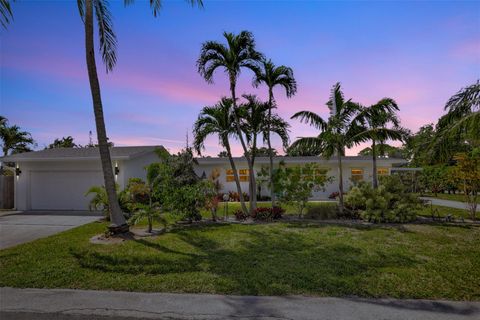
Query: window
357,175
242,173
382,171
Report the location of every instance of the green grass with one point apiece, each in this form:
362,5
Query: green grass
411,261
446,196
444,211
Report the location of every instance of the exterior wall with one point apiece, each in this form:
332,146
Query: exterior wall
331,166
136,168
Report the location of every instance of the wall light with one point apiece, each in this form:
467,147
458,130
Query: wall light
117,170
17,171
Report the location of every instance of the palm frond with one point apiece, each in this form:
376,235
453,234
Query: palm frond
107,37
6,14
310,118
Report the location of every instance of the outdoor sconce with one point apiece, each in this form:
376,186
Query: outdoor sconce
17,171
117,170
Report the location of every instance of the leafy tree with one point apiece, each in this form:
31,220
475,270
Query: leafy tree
434,178
295,185
384,150
222,154
265,152
467,174
336,134
239,53
14,140
218,120
64,142
273,76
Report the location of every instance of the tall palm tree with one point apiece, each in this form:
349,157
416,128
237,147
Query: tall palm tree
237,54
336,133
273,76
14,140
256,119
375,120
219,120
107,41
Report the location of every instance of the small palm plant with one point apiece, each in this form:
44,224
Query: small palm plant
151,212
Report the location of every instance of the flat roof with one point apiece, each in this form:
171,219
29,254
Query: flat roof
55,154
288,159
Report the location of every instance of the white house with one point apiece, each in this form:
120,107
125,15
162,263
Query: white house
57,179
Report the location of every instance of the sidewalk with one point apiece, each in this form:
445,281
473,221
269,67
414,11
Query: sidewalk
59,304
447,203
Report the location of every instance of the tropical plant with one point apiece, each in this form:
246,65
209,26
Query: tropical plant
218,120
13,139
274,76
107,43
434,178
99,200
151,212
374,121
256,119
336,134
64,142
295,185
6,14
237,54
390,202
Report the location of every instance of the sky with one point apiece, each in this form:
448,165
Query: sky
417,52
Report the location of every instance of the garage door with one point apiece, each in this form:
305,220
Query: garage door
62,190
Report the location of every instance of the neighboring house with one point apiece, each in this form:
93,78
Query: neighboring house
57,179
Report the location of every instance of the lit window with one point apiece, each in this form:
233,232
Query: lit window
243,175
357,174
382,171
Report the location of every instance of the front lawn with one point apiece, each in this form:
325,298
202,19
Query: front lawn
446,196
443,212
410,261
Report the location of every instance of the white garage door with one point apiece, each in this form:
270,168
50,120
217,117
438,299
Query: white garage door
62,190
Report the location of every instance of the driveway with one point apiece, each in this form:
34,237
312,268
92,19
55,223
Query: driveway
20,227
448,203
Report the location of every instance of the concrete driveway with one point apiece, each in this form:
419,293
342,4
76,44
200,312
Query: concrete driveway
20,227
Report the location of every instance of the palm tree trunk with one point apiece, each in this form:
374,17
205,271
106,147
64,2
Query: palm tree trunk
374,159
269,144
340,183
235,175
251,175
118,223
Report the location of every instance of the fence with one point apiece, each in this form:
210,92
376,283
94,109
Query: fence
6,192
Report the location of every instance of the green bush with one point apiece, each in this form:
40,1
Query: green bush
390,202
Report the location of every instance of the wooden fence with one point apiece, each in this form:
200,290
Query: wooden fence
6,192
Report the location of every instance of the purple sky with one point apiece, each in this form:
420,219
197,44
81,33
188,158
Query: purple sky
419,53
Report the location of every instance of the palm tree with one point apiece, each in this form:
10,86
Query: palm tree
218,119
14,140
238,53
273,76
6,14
256,118
375,120
336,134
107,41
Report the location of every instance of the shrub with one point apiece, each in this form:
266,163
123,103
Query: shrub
261,214
390,202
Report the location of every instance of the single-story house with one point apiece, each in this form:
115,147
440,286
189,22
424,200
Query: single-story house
57,179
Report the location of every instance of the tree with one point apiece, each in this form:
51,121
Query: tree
64,142
273,76
467,173
239,53
374,121
222,154
383,150
336,134
256,119
218,120
14,140
295,185
265,152
107,42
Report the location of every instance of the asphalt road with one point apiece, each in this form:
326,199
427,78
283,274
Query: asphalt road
21,227
59,304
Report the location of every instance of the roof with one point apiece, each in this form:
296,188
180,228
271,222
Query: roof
116,153
265,160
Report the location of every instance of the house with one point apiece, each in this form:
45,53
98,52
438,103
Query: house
57,179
